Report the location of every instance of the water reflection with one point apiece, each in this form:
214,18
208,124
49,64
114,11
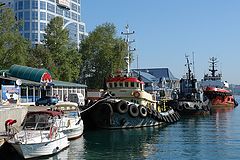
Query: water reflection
124,144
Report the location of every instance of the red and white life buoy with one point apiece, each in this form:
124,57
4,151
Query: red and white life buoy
136,94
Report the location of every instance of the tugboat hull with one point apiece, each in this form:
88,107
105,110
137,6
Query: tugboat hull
109,115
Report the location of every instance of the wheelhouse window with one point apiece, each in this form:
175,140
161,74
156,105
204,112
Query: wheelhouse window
120,84
132,84
138,85
126,84
110,85
115,84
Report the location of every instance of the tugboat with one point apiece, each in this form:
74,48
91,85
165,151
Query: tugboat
126,104
216,90
190,100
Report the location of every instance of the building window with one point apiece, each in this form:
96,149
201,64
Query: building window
59,11
49,17
27,35
42,26
42,15
26,26
79,18
34,4
67,14
74,7
79,9
42,5
34,15
74,16
50,7
27,4
20,5
34,37
26,15
16,6
20,15
34,26
81,28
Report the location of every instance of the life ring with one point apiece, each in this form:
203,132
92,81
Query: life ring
142,111
136,94
52,132
122,107
133,110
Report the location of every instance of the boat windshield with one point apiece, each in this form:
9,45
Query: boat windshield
38,122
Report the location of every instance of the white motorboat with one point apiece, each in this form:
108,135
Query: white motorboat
40,135
71,123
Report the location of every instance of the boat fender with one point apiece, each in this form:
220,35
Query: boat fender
180,107
136,94
186,106
142,111
149,111
196,107
122,107
133,110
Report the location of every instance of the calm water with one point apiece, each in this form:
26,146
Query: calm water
208,137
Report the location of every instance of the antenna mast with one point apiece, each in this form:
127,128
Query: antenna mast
127,58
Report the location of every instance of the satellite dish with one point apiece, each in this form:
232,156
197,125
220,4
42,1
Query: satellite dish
19,82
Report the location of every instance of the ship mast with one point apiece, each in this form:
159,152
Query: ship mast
212,69
128,42
189,76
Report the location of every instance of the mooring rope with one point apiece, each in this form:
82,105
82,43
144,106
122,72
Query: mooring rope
94,104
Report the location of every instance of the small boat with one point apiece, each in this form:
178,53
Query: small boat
216,90
126,104
71,123
190,100
40,135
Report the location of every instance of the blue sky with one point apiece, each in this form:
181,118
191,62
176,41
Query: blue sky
166,30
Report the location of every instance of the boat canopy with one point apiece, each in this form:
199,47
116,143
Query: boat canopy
51,113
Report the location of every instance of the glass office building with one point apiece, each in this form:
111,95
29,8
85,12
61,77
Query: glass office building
36,14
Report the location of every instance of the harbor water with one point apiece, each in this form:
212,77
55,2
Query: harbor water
212,137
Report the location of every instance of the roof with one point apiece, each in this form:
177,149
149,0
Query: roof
67,84
124,79
27,73
158,73
146,77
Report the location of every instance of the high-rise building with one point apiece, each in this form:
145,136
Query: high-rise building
36,14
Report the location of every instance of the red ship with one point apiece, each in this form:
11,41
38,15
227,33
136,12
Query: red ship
216,90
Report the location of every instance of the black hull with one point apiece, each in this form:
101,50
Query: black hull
190,108
105,115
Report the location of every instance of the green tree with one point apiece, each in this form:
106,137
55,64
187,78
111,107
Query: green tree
13,47
102,54
64,57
